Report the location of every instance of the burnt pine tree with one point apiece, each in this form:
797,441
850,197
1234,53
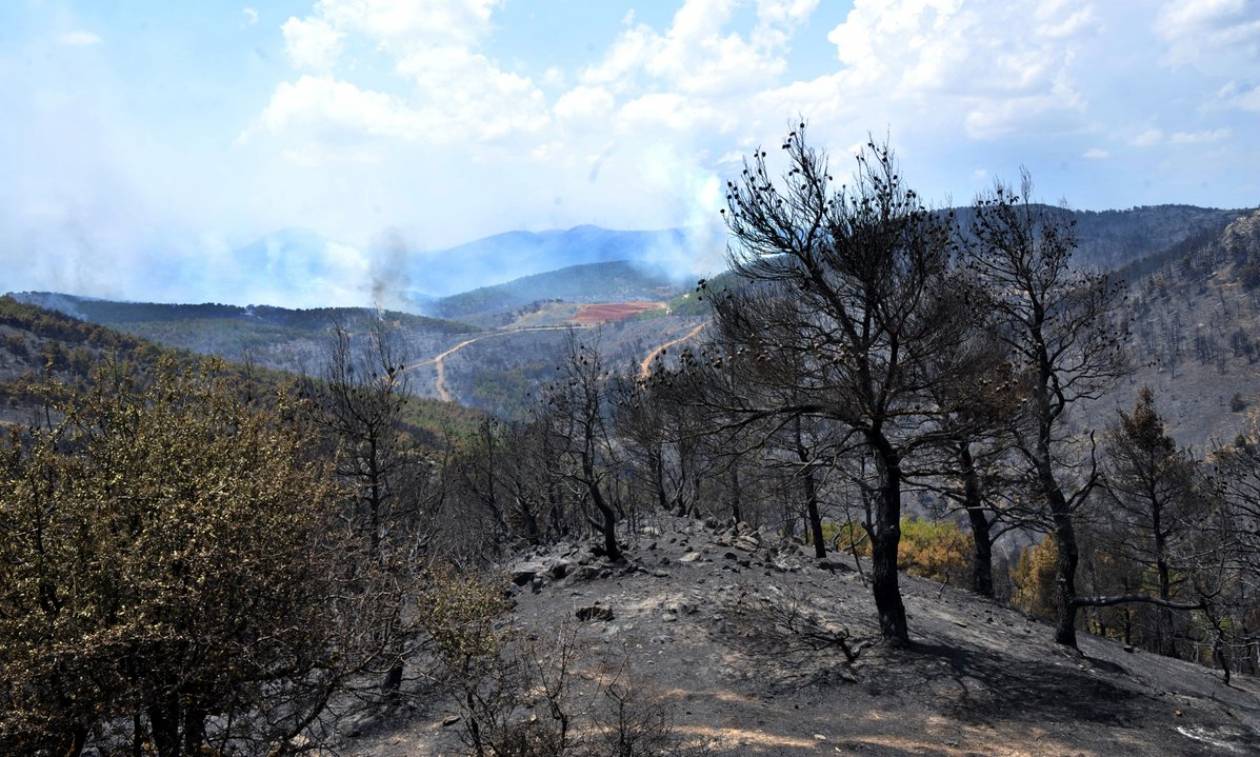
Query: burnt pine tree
1152,493
359,406
846,301
580,410
969,468
1057,322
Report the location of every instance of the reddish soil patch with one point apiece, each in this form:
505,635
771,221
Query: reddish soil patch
613,311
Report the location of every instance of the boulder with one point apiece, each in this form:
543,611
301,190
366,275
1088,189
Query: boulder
690,557
523,572
559,568
586,573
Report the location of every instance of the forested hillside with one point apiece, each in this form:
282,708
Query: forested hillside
38,344
1192,319
278,338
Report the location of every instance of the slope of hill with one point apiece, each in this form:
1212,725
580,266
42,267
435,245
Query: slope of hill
1110,239
591,282
1194,333
278,338
36,342
734,634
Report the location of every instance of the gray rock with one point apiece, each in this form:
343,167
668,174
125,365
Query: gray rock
523,572
559,569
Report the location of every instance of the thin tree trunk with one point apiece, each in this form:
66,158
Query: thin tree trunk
194,729
815,520
811,496
1166,640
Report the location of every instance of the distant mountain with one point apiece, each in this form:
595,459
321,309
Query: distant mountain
592,282
505,257
300,266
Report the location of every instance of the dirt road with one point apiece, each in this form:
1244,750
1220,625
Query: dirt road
645,368
439,361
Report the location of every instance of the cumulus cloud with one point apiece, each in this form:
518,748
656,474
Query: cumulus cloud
453,88
1210,33
311,43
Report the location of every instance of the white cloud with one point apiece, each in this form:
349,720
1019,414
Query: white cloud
584,102
998,67
321,108
697,56
455,91
1153,137
311,43
250,14
80,38
1216,34
668,108
1199,137
1234,95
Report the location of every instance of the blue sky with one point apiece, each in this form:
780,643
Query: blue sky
145,141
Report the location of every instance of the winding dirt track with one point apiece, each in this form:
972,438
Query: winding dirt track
645,368
439,361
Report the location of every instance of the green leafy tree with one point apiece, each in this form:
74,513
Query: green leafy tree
169,557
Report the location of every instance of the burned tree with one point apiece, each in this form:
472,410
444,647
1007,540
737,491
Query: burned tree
579,416
969,468
1151,493
359,406
846,303
1057,322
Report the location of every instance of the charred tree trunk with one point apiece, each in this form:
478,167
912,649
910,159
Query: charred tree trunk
981,528
1164,619
885,540
608,516
811,495
1067,557
164,725
194,729
658,479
